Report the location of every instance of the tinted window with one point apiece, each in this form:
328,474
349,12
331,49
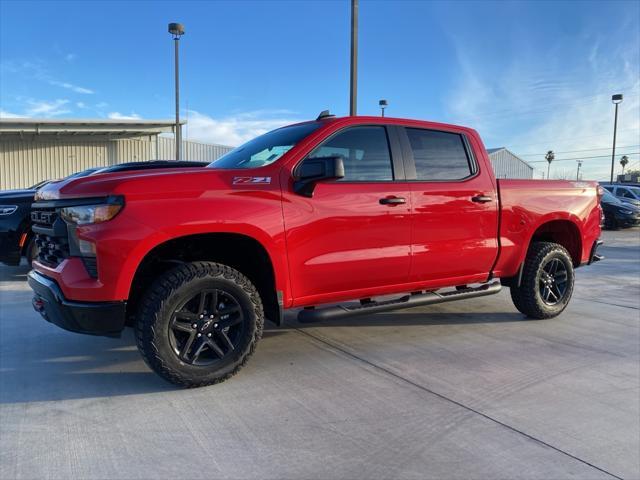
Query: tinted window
608,187
265,149
365,151
623,192
438,155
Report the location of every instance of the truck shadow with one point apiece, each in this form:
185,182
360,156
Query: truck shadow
57,365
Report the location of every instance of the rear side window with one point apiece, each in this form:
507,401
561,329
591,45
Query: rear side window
439,155
365,151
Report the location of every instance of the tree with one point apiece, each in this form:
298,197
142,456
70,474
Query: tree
549,158
624,161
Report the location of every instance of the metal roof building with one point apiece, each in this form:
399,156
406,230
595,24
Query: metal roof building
506,164
34,150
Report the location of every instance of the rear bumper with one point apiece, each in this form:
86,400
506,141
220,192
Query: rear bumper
594,256
93,318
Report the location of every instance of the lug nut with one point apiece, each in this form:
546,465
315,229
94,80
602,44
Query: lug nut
208,335
201,316
199,335
195,325
215,325
210,316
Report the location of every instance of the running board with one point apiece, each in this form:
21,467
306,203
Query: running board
309,315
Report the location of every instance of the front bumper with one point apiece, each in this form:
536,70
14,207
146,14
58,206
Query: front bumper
93,318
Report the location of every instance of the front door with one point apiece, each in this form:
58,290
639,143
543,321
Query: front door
354,233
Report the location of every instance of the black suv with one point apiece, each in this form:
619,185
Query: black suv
16,238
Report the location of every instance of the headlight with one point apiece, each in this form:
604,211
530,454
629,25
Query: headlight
86,214
7,209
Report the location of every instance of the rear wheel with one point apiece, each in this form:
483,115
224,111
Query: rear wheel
547,281
199,323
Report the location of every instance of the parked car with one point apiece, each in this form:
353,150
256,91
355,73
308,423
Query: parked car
16,238
618,214
626,193
314,214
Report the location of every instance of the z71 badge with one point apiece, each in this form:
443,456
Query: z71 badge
252,180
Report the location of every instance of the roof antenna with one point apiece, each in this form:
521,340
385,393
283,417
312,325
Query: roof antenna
325,114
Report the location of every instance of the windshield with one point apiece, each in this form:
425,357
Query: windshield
608,197
265,149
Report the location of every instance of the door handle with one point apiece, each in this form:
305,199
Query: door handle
392,201
481,199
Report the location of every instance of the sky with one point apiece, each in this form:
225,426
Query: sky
529,76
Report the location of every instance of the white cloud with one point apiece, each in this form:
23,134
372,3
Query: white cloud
120,116
102,105
235,129
81,105
72,87
563,104
5,114
70,57
43,108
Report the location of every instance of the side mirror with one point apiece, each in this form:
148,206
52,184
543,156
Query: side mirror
313,170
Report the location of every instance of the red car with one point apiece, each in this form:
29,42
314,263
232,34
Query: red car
319,213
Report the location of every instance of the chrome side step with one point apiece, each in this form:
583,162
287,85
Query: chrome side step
309,315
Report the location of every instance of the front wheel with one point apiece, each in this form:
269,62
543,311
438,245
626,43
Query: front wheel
547,281
199,323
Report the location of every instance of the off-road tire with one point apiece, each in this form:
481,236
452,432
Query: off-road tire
527,297
162,298
31,252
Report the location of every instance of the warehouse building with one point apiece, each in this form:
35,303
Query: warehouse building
508,165
35,150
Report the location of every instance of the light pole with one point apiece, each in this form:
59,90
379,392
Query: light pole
383,104
578,172
177,30
616,99
353,101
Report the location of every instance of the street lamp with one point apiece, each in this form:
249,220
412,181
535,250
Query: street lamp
383,104
353,97
177,30
616,99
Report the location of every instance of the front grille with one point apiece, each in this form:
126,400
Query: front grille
51,250
51,236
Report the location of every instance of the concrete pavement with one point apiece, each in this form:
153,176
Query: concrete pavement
461,390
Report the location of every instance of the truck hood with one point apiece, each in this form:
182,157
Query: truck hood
165,182
23,195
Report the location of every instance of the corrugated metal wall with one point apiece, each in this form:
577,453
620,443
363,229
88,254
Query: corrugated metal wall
507,165
27,162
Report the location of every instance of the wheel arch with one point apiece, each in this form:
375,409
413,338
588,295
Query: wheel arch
237,250
564,232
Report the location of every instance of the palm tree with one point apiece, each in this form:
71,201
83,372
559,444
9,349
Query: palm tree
549,158
624,161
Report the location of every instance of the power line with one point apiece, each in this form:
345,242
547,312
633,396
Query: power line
580,158
575,151
560,140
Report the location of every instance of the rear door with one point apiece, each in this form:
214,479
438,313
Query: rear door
354,233
454,215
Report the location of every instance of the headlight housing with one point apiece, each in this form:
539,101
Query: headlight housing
6,210
88,214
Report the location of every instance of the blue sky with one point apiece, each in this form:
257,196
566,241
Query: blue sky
530,76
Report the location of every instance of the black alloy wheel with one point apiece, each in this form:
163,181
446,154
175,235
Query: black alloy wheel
552,282
207,328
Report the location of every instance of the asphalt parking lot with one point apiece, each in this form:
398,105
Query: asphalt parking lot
461,390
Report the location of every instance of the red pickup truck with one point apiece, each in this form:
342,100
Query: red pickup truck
328,216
